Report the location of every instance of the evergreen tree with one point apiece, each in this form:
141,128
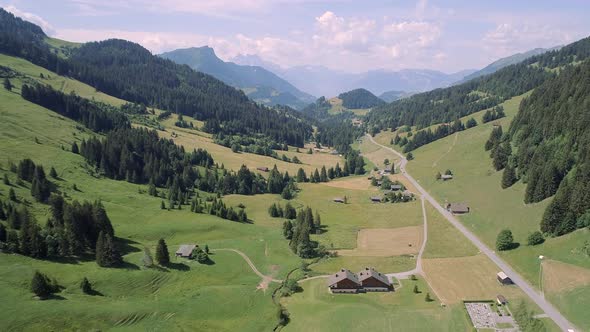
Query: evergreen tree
12,195
323,175
163,205
162,255
316,176
86,287
7,84
410,156
427,298
3,215
508,176
301,176
2,233
41,286
5,180
290,212
53,173
287,229
317,223
505,240
415,290
75,148
107,254
471,123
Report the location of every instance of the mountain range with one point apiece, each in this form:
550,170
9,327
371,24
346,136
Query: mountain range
323,81
259,84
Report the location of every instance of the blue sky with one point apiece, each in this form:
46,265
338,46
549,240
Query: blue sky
346,35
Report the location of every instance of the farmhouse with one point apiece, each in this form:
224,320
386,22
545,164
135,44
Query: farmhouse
344,281
376,199
396,187
339,200
457,208
373,281
263,169
387,170
446,177
503,278
185,250
501,299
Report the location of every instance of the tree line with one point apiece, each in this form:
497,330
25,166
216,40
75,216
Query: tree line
360,98
550,133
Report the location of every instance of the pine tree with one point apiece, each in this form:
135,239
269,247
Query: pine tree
410,156
106,253
53,173
323,175
5,180
2,233
416,291
288,230
427,298
12,195
317,223
41,286
508,176
163,205
7,84
162,255
75,148
86,287
3,215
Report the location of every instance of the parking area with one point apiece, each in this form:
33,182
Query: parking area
487,315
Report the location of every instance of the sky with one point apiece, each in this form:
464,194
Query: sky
345,35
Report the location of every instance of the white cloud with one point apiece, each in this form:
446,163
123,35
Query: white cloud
47,28
508,38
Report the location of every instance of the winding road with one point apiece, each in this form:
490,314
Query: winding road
547,307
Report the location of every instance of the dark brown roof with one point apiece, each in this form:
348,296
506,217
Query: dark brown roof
371,272
458,207
342,275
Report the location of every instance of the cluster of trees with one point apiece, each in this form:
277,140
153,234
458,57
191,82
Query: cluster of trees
360,98
140,156
339,132
95,116
255,144
424,137
41,187
298,232
500,151
182,123
276,211
218,208
398,197
224,182
552,139
493,114
73,229
42,286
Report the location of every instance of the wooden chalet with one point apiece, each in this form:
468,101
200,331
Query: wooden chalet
344,281
457,208
373,281
185,250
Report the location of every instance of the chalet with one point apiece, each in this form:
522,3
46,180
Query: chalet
446,177
185,250
387,170
501,300
373,281
339,200
376,199
263,169
457,208
396,187
503,278
344,281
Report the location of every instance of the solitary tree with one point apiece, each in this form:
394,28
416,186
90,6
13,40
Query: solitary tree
416,291
410,156
7,85
85,286
12,195
75,148
53,173
6,181
41,286
505,240
427,298
535,238
162,255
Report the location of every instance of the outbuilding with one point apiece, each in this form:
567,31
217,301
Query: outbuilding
457,208
501,299
339,200
396,187
185,250
376,199
263,169
446,177
503,278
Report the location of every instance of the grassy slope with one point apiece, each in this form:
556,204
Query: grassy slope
134,298
316,309
492,207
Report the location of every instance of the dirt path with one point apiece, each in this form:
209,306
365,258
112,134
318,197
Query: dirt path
448,151
252,266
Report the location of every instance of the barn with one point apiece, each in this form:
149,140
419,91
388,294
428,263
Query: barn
457,208
185,250
503,278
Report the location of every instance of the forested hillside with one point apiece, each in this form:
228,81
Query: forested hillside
449,104
359,98
127,70
551,137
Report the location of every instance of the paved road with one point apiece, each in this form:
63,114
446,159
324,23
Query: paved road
252,266
547,307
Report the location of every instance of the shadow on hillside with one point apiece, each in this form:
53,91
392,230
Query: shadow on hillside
54,297
126,246
178,266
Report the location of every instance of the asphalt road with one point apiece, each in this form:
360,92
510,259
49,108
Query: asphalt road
547,307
